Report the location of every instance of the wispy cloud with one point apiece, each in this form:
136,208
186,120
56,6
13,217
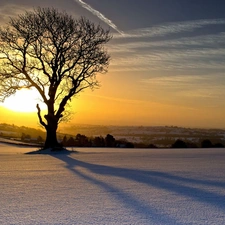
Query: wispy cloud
175,81
184,42
99,15
170,28
130,101
170,59
188,85
187,50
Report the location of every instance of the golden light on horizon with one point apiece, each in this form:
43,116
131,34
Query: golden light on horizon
23,101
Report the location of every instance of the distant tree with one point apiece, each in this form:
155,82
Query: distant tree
179,144
206,144
123,143
64,141
129,145
218,145
82,141
54,54
152,146
71,142
98,142
110,141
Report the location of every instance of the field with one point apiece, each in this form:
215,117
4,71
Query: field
112,186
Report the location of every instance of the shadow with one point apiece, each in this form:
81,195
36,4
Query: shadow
174,184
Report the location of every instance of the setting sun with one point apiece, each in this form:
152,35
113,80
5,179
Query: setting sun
23,101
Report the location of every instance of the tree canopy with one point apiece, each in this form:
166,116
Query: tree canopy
55,54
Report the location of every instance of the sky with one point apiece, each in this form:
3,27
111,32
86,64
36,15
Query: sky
167,62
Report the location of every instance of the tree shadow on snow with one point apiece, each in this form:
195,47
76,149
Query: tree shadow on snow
174,184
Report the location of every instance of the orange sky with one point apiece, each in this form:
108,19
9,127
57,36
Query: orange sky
127,103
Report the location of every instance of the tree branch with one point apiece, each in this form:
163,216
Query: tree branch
39,116
54,53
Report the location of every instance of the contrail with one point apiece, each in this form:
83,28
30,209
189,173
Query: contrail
99,15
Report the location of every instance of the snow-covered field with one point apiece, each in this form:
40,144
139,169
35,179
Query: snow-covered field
112,186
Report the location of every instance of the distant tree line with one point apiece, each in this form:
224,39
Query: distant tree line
204,144
109,141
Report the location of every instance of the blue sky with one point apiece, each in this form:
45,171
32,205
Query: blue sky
167,58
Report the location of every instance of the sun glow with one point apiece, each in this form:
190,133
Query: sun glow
23,101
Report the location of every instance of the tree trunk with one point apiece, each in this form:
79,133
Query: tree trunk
51,138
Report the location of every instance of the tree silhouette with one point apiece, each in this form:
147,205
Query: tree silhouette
206,144
98,141
110,141
82,141
179,144
55,54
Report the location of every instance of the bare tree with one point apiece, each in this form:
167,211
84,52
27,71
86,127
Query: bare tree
55,54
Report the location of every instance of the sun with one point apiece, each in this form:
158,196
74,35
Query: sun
25,100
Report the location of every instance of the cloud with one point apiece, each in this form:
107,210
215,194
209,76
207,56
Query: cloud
188,85
174,80
186,90
188,52
170,28
170,60
99,15
184,42
125,100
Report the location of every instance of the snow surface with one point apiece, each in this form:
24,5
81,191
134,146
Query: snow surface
112,186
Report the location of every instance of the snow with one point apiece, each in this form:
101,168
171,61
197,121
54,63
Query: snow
112,186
